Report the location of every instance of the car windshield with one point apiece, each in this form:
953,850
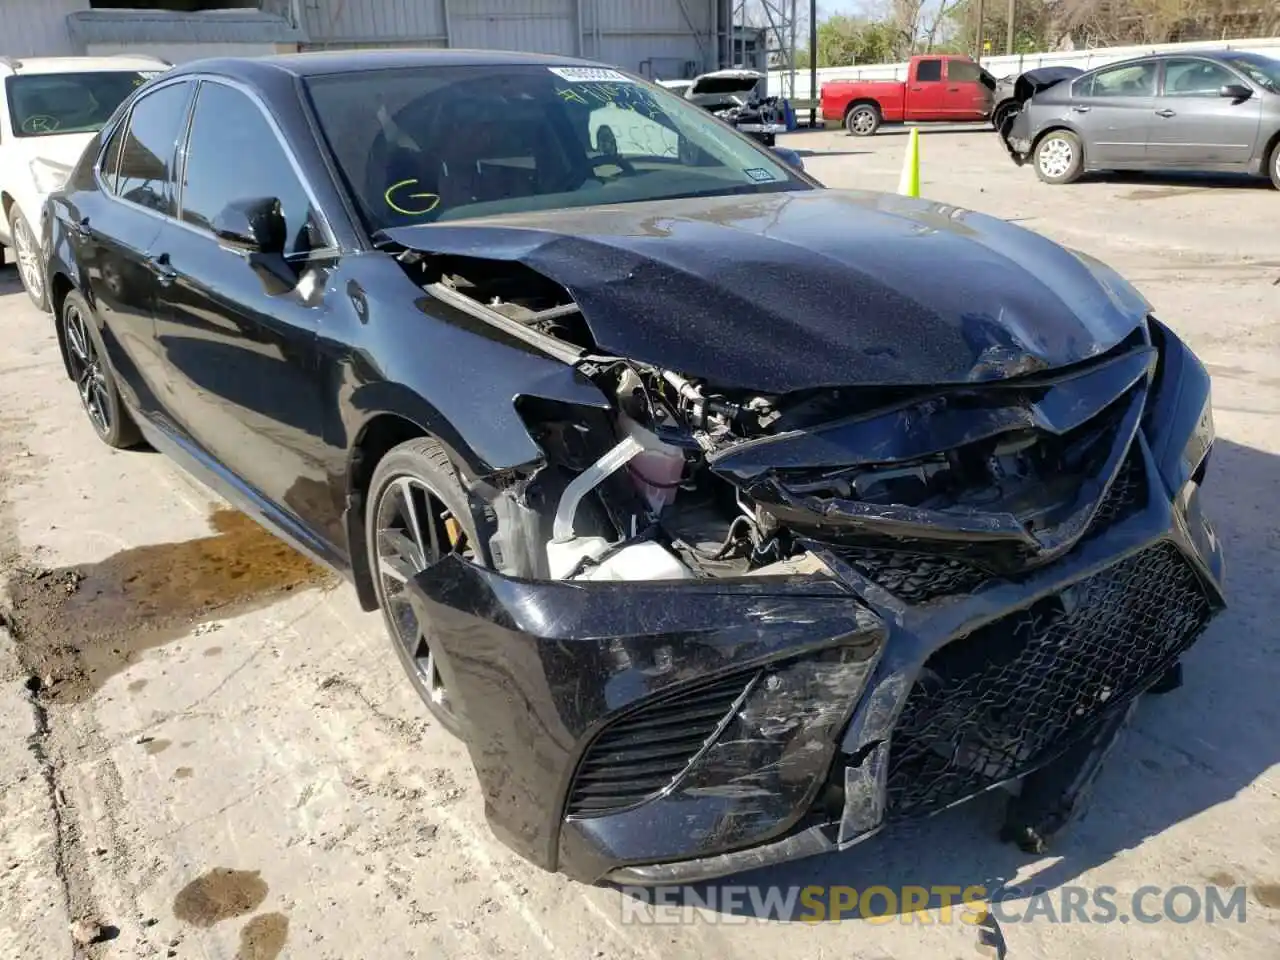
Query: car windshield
48,104
441,143
1261,70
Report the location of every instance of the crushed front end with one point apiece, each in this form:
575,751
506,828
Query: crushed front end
723,629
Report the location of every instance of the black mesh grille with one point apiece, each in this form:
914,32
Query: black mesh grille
642,753
993,704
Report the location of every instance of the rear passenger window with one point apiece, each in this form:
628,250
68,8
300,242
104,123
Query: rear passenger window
962,71
228,124
1127,80
927,70
110,164
146,174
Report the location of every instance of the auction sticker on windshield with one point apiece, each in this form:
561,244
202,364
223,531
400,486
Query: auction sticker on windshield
590,75
759,174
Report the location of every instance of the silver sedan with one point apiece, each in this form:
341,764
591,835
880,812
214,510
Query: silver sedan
1215,111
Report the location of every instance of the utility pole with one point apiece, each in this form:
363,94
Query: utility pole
981,14
1013,12
791,55
813,62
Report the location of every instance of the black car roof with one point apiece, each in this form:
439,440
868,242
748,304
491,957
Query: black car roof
318,63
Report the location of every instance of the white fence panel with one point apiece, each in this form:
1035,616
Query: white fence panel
999,67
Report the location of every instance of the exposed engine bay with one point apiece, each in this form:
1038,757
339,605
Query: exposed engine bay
683,479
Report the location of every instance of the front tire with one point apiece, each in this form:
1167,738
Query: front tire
418,513
863,120
29,257
92,375
1059,157
1273,164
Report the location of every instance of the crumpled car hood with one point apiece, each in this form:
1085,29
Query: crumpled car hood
806,289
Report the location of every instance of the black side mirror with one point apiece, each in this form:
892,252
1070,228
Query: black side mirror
1235,91
252,226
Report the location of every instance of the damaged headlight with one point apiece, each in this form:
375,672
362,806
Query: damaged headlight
1179,419
1196,453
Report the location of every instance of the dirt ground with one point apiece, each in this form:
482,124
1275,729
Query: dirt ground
207,750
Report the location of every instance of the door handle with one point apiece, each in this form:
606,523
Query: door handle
916,89
163,270
1080,109
953,89
80,229
1166,112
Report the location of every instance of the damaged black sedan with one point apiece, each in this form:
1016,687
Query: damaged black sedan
726,518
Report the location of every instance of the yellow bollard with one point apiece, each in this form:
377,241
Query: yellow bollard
909,182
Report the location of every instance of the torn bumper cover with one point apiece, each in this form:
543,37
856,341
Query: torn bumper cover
653,732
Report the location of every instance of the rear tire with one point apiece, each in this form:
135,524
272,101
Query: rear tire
415,484
862,120
93,377
1273,165
1059,157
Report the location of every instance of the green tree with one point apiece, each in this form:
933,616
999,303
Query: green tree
845,40
1032,26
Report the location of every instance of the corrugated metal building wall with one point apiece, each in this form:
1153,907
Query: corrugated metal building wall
37,27
662,37
658,38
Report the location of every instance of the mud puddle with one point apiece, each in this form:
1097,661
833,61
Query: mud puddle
264,937
219,895
78,626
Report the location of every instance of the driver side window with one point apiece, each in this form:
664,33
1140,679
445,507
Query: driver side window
235,154
1195,78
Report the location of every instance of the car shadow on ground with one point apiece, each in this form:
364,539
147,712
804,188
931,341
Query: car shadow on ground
832,153
1176,182
1185,753
929,129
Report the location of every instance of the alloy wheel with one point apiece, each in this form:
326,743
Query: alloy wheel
28,251
863,122
87,370
414,530
1055,158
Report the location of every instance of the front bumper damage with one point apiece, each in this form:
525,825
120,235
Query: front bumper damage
653,732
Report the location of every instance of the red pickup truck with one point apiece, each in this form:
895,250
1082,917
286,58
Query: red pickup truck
943,88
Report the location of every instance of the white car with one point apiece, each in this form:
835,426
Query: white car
50,108
731,96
